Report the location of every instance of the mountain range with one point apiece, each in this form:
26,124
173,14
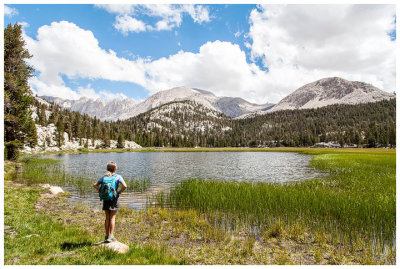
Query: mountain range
126,108
324,92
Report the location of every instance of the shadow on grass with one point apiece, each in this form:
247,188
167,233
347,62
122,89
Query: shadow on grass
71,246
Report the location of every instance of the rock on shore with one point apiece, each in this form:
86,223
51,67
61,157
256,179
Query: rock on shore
47,141
115,246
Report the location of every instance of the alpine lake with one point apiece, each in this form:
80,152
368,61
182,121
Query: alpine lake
148,173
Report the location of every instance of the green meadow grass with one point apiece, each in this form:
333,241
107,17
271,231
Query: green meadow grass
33,238
225,149
355,203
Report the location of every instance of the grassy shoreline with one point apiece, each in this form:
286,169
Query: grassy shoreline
361,171
304,150
355,202
57,232
34,236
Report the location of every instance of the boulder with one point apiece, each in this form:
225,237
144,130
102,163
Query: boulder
115,246
47,141
55,190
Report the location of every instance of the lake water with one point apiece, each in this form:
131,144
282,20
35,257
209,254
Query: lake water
164,169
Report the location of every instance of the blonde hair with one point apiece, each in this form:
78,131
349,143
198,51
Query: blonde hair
111,168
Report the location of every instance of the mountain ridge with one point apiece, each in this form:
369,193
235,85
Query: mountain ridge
333,90
323,92
328,91
118,109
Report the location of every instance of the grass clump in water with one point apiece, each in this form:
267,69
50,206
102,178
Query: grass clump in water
357,200
138,184
51,171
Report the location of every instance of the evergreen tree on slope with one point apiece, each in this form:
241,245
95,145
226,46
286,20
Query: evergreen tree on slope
19,127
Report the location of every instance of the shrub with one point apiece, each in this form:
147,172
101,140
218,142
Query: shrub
12,149
83,150
275,231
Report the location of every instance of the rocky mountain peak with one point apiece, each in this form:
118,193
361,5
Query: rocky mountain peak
333,90
127,108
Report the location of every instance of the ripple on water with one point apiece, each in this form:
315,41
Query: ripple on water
164,169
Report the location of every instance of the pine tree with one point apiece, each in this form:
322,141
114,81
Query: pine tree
107,142
19,127
77,126
371,141
120,142
68,129
42,115
60,132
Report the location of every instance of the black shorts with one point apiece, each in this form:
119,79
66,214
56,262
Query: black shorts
111,204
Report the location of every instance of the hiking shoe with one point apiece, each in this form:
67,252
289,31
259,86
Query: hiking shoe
107,239
112,239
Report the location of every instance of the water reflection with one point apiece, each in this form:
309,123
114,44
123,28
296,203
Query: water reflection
165,169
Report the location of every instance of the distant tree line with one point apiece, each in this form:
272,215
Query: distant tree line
370,125
367,125
140,129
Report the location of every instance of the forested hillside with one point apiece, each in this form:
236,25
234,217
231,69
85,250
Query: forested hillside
188,124
369,124
179,124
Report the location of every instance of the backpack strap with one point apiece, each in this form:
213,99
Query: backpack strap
115,182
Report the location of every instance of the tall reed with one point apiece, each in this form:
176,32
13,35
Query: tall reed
356,201
51,171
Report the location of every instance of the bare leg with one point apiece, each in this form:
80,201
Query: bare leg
112,222
107,222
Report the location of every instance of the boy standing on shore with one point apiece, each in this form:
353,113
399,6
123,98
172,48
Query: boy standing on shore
110,207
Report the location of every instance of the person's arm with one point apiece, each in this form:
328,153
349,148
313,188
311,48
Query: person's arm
97,185
123,186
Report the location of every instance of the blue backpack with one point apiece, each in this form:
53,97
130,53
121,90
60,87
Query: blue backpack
107,190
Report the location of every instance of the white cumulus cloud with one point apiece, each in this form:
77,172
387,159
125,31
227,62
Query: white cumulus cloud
198,13
9,11
296,45
126,24
89,92
117,9
57,89
63,48
303,43
218,66
169,16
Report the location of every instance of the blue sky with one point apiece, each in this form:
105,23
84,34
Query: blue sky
260,53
